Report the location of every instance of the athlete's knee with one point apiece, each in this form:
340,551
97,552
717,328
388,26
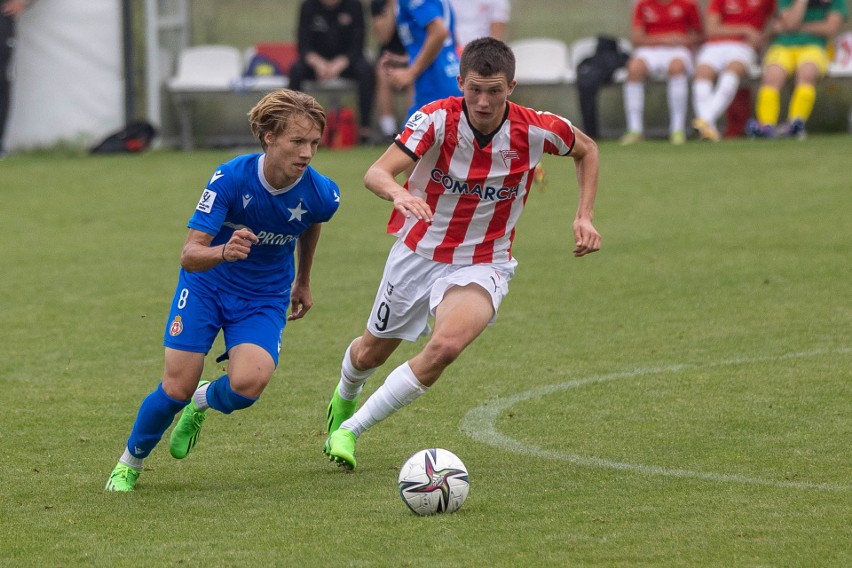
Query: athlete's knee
705,72
249,369
179,388
369,352
677,68
365,359
442,351
222,397
636,70
738,68
807,74
182,372
249,386
774,76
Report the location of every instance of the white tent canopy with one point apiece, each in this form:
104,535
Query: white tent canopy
68,75
69,80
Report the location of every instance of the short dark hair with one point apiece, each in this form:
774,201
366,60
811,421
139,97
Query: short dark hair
487,56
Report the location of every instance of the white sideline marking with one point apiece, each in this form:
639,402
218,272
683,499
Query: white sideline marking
480,424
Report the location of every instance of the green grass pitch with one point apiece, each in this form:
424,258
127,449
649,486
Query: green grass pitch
681,398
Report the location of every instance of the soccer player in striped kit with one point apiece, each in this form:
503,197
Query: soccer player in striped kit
473,159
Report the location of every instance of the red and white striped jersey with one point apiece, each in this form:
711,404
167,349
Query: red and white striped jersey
476,193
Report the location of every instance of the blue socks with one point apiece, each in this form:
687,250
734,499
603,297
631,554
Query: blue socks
158,411
221,397
155,415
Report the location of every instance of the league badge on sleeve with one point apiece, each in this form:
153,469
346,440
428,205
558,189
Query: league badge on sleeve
205,204
415,120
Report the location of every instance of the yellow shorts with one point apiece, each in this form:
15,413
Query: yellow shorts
790,58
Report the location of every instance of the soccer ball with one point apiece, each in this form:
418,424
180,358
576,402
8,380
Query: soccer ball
433,481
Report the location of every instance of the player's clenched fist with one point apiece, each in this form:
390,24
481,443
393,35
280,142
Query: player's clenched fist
239,245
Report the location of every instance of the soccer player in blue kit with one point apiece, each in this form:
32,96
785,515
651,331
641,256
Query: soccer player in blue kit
238,274
427,30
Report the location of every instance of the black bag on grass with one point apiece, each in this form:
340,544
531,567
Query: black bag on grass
135,137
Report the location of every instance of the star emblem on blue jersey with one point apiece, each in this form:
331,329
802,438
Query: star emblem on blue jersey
297,212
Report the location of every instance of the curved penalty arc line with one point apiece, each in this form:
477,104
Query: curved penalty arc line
480,424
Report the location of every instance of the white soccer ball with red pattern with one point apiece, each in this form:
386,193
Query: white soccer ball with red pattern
433,481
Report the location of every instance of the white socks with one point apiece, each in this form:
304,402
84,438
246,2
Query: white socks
388,125
702,95
351,379
400,389
726,90
200,397
634,105
677,91
130,460
709,104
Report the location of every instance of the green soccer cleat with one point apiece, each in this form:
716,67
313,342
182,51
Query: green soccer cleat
339,410
340,448
122,479
186,431
678,137
631,138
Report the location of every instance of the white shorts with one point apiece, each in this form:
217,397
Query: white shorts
412,287
719,54
658,59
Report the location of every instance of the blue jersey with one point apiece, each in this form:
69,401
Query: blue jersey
438,81
238,196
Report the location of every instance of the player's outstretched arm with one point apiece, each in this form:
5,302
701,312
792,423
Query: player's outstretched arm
300,292
585,153
381,180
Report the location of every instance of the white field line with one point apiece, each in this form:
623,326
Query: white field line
480,424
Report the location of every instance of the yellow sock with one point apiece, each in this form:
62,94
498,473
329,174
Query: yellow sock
802,102
768,105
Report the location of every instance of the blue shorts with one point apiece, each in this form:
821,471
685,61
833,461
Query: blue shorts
197,315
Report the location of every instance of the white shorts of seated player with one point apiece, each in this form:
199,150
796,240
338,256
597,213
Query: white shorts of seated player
719,54
658,59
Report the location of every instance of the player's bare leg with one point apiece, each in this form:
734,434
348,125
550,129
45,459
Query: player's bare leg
461,317
677,94
634,100
702,102
249,369
180,378
362,357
